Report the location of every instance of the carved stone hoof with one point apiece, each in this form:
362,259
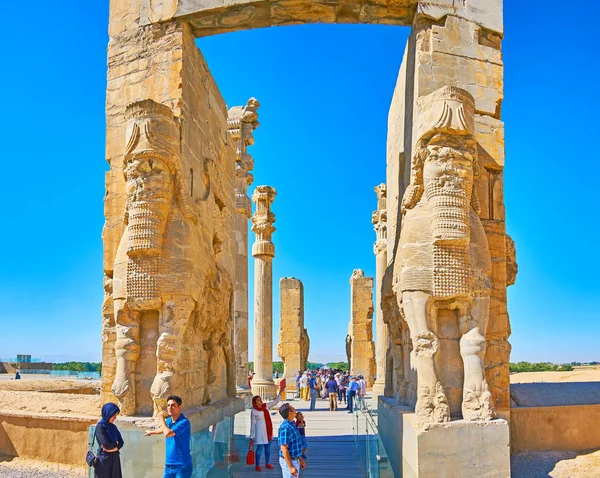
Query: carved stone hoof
432,406
161,385
441,412
477,404
120,387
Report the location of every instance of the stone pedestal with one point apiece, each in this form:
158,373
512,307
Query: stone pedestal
458,448
263,251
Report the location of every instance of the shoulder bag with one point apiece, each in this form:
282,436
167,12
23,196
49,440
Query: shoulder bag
90,458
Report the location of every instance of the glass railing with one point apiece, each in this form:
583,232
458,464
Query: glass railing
368,442
217,451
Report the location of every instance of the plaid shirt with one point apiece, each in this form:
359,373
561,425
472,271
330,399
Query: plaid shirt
288,435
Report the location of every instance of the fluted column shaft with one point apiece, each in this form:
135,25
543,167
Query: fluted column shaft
263,251
380,249
242,121
263,319
240,302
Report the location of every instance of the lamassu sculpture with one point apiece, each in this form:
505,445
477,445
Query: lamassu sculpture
444,258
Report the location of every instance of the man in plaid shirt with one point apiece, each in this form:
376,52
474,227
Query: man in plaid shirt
290,443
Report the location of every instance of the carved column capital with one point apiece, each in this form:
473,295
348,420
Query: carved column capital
379,220
242,121
262,221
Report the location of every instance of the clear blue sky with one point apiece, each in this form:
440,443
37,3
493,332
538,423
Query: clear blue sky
325,91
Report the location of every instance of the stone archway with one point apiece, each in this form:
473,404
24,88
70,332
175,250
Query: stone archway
186,278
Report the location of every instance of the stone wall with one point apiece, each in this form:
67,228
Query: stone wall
555,416
192,316
360,330
293,343
29,435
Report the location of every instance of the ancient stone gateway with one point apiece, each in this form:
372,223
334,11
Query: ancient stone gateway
170,209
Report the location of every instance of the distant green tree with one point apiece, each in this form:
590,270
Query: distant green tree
278,367
539,367
313,365
78,366
338,365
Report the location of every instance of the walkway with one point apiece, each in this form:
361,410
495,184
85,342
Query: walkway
331,449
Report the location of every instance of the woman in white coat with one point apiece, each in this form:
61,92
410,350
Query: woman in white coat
261,429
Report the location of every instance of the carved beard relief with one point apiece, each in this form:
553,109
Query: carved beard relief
149,201
448,194
150,190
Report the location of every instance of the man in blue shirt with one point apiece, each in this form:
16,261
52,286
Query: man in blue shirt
313,391
178,433
290,443
351,393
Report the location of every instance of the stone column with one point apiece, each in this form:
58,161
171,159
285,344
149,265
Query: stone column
360,330
380,249
293,337
263,252
242,121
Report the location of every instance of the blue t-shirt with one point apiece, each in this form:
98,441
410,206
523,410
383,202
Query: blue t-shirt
178,446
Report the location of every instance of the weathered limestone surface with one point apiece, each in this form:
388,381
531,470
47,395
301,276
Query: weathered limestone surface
242,121
169,209
293,343
208,17
379,220
263,251
216,16
443,263
360,329
457,448
458,45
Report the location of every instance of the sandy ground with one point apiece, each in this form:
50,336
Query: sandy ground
580,374
40,396
44,385
556,464
54,403
21,468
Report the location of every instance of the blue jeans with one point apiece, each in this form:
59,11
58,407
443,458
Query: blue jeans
350,396
259,450
285,469
313,398
178,471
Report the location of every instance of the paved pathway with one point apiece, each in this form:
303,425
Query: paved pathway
331,449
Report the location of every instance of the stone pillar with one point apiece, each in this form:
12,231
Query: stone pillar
447,245
360,330
380,249
242,121
293,337
263,252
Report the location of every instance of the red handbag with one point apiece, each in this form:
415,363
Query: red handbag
250,455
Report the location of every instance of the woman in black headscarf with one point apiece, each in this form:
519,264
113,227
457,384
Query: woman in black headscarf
110,442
